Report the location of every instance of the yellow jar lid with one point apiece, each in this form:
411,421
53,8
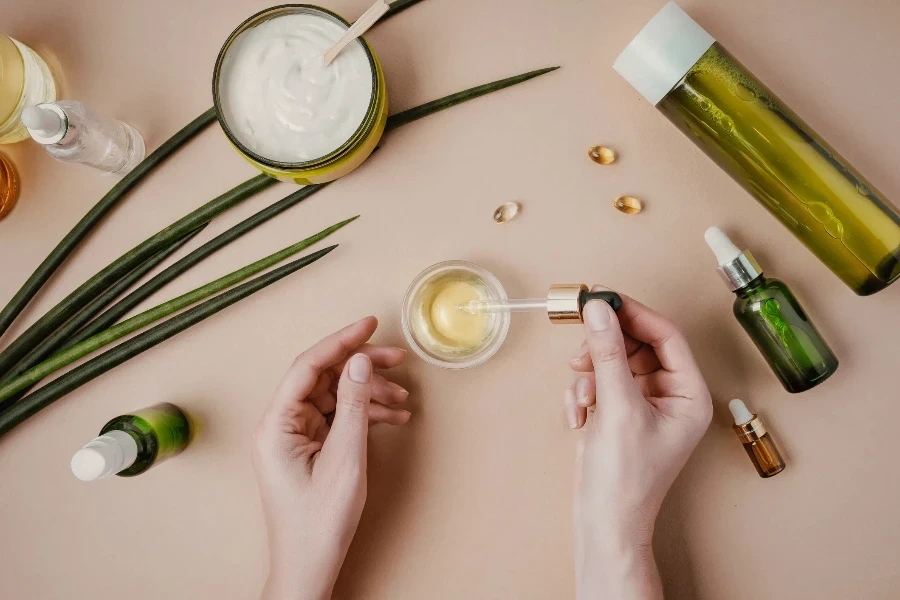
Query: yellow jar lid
12,77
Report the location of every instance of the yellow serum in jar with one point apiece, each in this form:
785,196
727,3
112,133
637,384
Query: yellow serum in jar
439,323
461,328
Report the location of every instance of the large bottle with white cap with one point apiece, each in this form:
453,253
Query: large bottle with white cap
71,133
773,318
130,444
739,123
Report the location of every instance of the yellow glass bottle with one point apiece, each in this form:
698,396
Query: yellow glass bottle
25,80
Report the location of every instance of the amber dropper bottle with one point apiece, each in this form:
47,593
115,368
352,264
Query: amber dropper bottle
756,440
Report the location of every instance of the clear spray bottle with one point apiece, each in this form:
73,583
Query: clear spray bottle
71,133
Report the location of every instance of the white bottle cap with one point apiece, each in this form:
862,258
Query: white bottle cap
663,52
723,247
47,123
104,456
739,412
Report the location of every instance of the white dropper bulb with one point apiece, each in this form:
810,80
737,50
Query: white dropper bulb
740,412
42,121
724,249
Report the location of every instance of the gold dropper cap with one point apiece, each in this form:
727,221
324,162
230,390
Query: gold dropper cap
562,303
565,302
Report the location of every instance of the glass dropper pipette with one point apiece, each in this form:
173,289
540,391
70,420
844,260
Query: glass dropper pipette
512,305
563,304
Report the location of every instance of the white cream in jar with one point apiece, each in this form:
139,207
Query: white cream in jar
279,99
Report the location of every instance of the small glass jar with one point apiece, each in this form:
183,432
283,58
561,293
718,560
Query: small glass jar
417,322
352,152
25,80
9,186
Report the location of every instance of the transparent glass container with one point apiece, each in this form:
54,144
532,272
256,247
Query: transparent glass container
9,186
78,135
25,80
422,335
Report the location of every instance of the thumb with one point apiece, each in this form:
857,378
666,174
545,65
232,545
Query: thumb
607,348
349,431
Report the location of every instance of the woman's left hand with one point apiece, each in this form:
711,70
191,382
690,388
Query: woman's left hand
312,475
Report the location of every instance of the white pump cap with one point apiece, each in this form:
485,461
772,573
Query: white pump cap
723,247
739,412
104,456
47,123
663,52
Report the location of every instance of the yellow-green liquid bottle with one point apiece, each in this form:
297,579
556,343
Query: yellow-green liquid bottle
130,444
740,124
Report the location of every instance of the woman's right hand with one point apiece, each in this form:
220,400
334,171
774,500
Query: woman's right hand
644,406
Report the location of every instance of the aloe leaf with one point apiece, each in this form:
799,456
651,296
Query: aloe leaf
423,110
145,290
58,361
88,221
64,333
97,284
59,387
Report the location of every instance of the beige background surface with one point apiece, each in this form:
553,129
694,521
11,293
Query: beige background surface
472,499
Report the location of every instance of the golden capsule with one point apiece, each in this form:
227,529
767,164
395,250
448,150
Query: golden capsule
628,205
506,212
602,155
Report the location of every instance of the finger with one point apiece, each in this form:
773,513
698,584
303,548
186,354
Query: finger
607,347
581,361
644,361
383,357
304,425
304,373
575,415
585,393
347,440
383,391
577,507
646,325
379,413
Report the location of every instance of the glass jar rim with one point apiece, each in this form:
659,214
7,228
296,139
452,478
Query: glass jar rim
367,122
497,337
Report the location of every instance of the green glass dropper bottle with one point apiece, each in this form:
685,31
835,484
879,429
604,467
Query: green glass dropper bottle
130,444
773,318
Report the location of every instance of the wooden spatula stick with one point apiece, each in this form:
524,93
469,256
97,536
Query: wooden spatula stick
362,24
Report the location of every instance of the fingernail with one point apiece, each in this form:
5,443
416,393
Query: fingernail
573,418
582,352
596,315
360,369
581,390
399,389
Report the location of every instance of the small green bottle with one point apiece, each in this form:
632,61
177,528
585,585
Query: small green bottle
130,444
773,318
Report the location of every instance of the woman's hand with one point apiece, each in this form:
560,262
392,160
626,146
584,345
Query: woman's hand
644,406
312,475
